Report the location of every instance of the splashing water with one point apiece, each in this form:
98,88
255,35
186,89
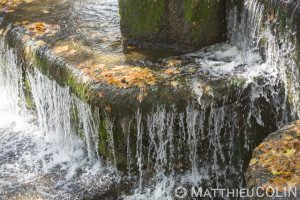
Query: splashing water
214,159
41,153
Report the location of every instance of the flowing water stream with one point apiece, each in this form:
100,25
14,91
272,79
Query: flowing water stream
43,156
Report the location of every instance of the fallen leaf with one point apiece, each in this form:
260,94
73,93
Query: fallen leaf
61,49
140,97
71,52
200,85
46,11
25,37
172,63
27,50
288,137
192,69
253,161
207,89
174,83
40,43
271,17
100,95
275,172
131,47
289,152
172,71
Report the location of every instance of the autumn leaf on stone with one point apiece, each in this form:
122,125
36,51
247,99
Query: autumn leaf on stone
39,43
192,69
207,89
100,95
61,49
140,97
172,63
71,52
281,158
39,29
9,5
174,83
253,161
289,152
172,71
25,38
131,47
127,76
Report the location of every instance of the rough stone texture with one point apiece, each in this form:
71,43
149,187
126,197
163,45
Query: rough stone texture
283,148
173,25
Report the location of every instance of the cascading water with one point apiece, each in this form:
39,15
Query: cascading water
42,154
51,151
223,166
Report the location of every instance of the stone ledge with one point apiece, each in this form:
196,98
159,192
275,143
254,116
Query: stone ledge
275,162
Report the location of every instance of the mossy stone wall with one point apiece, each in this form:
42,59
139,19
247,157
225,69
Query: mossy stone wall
171,24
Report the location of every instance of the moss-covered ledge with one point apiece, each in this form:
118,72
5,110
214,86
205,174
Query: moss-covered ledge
117,82
275,164
171,24
129,87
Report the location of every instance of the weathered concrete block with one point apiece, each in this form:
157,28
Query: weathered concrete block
173,25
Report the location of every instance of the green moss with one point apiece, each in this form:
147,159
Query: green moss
80,89
103,140
143,17
198,13
28,96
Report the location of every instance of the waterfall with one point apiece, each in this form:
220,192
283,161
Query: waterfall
37,144
214,127
242,90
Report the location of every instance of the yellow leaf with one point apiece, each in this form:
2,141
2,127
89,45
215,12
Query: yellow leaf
289,152
172,63
192,69
207,89
174,83
253,161
288,137
131,47
275,172
27,50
